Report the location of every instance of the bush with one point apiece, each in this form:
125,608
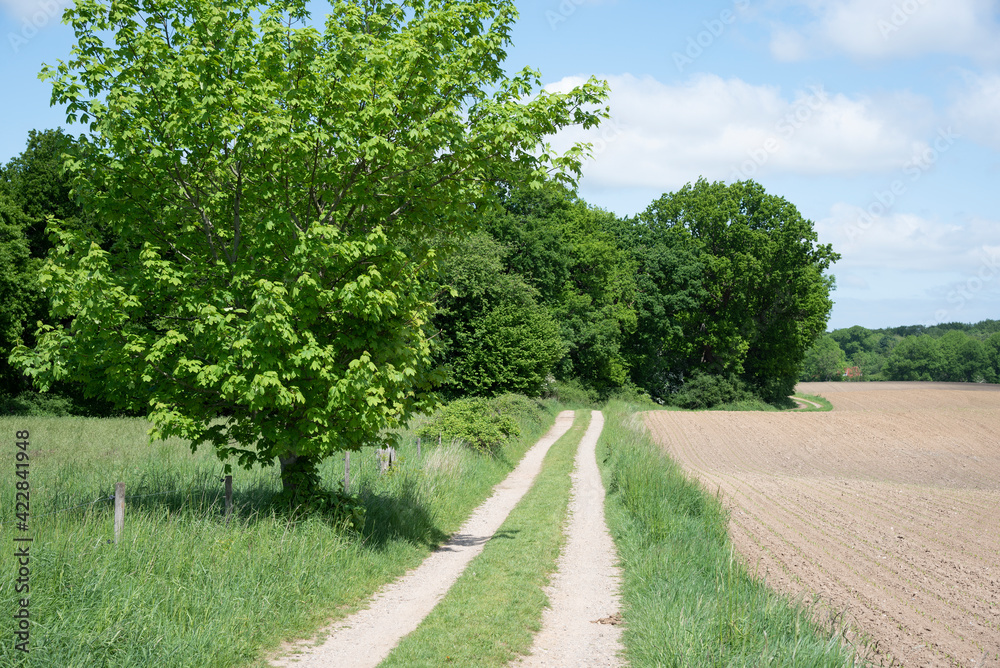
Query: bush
37,404
632,395
571,393
480,423
521,408
704,390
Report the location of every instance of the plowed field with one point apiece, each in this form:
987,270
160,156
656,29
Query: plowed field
884,513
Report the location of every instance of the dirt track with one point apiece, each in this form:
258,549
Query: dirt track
365,638
886,509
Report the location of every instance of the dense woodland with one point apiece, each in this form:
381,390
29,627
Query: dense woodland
949,352
713,294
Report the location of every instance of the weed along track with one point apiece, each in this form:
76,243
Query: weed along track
367,637
884,509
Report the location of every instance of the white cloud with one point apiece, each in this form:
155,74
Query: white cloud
977,109
872,29
662,136
928,270
905,242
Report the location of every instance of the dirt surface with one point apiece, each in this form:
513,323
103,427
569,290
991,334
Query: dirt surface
884,513
581,628
365,638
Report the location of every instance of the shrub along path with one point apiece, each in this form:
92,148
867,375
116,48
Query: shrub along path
365,638
582,626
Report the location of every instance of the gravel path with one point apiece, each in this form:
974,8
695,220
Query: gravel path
365,638
581,628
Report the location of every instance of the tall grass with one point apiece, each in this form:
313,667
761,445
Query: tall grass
687,601
183,587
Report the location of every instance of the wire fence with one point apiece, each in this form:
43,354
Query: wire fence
112,498
385,457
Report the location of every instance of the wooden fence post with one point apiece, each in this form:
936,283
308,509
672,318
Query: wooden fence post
347,471
386,457
229,497
119,509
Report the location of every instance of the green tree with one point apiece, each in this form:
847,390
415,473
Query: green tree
915,358
992,350
852,340
567,251
670,288
493,335
276,192
869,363
963,358
38,184
19,294
761,294
824,361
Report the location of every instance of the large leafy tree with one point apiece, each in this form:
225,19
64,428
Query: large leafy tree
567,251
824,361
35,187
493,335
275,190
915,358
964,358
754,295
37,183
19,295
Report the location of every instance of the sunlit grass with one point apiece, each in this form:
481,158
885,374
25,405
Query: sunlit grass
185,588
687,601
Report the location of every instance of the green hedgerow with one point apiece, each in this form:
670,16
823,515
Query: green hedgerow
481,423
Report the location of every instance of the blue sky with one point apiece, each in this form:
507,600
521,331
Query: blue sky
878,119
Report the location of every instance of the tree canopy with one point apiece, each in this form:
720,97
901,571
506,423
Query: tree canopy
732,281
275,192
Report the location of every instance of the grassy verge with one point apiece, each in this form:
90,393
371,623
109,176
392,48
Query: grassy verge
687,601
490,615
754,405
183,587
825,405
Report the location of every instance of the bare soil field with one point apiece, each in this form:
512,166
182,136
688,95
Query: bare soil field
884,514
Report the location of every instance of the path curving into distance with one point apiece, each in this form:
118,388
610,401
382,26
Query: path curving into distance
365,638
581,628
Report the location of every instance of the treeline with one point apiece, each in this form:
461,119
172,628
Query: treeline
950,352
32,189
713,294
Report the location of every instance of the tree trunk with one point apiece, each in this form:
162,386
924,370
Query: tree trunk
299,477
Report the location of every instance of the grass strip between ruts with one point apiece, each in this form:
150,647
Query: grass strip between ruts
492,612
687,601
